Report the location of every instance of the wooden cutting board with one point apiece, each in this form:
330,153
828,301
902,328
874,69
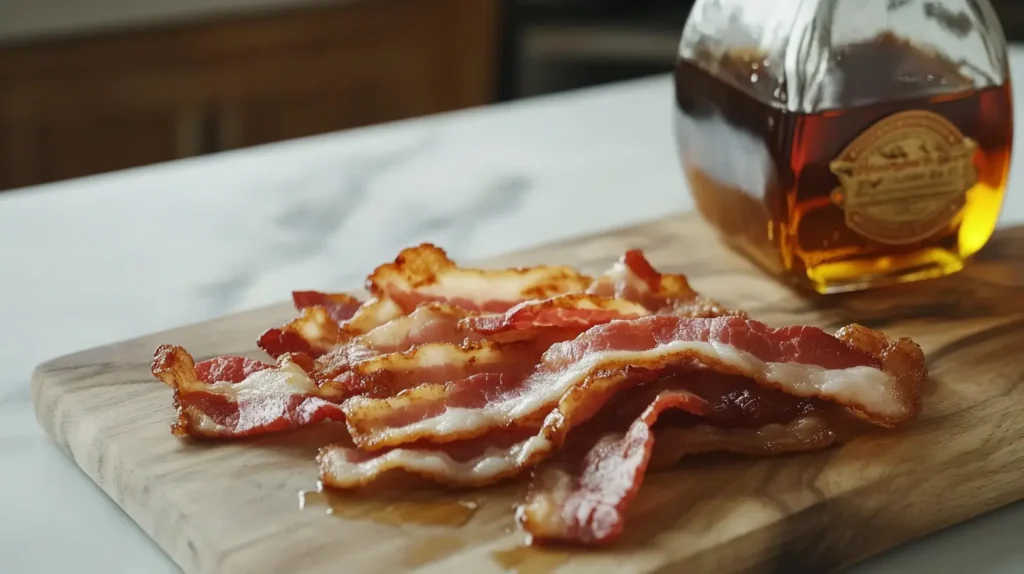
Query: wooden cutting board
236,507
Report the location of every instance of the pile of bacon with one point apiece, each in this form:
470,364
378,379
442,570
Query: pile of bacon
468,377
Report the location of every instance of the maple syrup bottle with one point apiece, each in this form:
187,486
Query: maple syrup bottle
846,144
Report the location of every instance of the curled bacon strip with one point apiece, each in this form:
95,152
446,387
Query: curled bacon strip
860,373
340,306
313,333
633,278
425,274
429,324
586,502
803,361
418,276
574,311
581,496
231,397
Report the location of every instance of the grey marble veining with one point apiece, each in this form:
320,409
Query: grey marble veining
96,260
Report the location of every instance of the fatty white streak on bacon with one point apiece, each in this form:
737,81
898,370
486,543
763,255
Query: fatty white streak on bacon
802,361
633,278
425,274
420,275
429,324
576,379
397,355
231,397
432,366
584,499
581,495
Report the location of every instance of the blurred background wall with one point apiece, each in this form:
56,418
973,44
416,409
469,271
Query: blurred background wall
88,86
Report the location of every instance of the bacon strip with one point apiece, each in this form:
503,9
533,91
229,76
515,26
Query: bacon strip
586,501
418,276
802,361
544,322
434,323
574,311
313,333
467,372
340,306
531,299
477,462
633,278
861,373
425,274
233,397
581,496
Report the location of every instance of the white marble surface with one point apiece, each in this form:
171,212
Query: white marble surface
91,261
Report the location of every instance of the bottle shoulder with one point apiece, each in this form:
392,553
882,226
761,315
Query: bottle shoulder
814,55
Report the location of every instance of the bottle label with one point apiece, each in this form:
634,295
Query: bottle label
904,178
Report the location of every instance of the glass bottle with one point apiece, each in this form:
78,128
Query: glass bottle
846,144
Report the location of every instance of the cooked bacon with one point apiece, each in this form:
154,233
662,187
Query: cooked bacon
425,274
581,496
313,333
727,398
477,462
418,276
446,333
434,323
466,372
809,432
803,361
232,397
633,278
585,501
574,311
541,433
340,306
470,376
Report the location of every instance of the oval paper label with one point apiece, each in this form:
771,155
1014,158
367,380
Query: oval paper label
905,177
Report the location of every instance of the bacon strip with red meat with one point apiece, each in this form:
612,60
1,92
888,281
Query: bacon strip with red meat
585,501
232,397
340,306
425,274
436,344
527,298
633,278
419,275
574,312
802,361
858,372
581,495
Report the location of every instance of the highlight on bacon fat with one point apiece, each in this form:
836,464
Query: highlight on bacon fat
471,376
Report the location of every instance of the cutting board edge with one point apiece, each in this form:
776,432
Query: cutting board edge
47,398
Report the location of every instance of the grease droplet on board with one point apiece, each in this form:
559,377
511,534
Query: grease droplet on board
529,560
430,509
431,550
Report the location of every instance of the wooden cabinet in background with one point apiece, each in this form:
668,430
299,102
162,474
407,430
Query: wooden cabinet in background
76,107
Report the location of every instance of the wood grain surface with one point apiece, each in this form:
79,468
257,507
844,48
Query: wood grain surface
226,508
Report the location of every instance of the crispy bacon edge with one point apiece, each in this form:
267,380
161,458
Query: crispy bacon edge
587,504
207,407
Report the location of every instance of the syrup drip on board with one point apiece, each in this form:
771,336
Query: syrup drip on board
431,509
529,560
432,550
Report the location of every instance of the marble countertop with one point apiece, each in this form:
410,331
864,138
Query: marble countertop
95,260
